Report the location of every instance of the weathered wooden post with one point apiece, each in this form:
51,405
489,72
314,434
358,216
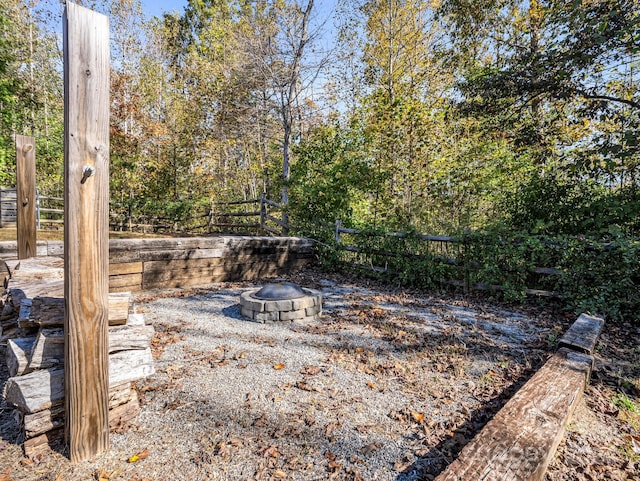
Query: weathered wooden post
263,213
86,231
26,196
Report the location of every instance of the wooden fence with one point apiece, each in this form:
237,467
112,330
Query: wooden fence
256,216
49,210
452,253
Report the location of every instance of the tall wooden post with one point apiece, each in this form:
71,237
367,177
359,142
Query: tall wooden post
86,231
26,195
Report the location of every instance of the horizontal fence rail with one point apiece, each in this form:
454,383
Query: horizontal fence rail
252,217
49,210
448,260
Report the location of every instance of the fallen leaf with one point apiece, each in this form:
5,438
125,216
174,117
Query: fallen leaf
261,421
417,417
269,452
310,370
402,464
279,366
372,385
236,442
370,448
137,457
4,476
280,474
99,475
635,444
304,386
330,428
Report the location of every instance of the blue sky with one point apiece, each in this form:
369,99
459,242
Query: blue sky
324,11
157,7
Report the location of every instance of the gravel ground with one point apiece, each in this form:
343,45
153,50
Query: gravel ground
388,385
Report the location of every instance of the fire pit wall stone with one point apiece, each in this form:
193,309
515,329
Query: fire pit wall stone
301,309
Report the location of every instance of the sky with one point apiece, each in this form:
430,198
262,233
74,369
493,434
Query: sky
157,7
324,12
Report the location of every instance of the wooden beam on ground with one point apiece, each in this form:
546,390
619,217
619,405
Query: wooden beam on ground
41,389
583,334
26,195
519,442
86,231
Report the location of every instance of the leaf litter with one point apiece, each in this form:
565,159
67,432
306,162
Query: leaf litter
389,385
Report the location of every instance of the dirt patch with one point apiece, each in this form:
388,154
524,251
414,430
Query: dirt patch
388,385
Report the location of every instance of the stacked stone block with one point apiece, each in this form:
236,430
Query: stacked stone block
300,310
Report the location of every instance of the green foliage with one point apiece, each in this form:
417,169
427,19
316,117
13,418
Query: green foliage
602,277
329,181
557,204
592,276
624,402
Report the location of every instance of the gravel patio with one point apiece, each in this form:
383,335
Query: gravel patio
388,385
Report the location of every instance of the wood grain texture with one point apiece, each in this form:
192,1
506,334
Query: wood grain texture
40,422
26,196
49,311
519,442
132,282
583,334
18,355
86,230
41,389
48,349
126,268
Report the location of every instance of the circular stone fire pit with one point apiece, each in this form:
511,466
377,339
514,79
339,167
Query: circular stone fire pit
281,302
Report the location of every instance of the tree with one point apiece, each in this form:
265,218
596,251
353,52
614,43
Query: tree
30,92
559,79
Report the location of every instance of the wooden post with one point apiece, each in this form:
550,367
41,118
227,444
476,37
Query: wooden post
86,231
263,213
26,196
338,227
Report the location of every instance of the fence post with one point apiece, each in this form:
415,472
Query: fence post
338,226
263,213
86,231
210,220
37,209
463,246
26,196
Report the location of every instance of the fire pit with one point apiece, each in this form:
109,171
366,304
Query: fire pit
281,302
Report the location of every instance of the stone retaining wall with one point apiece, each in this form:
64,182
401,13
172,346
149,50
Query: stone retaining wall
140,264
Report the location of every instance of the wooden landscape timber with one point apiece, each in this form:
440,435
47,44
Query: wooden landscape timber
41,389
46,427
46,350
33,328
522,438
140,264
583,334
